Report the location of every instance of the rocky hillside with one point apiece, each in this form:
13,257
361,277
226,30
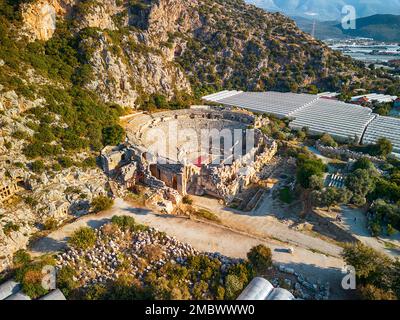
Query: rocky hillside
127,51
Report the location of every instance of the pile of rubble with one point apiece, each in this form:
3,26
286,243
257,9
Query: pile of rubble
301,287
140,253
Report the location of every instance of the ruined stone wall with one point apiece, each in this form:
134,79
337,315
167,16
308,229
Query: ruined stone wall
344,153
226,181
7,190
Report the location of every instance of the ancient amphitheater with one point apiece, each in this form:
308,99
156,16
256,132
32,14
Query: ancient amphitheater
217,152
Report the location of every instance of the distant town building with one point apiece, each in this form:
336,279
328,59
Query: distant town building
329,95
373,97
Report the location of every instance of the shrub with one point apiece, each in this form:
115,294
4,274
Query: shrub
376,229
125,223
390,230
31,202
205,214
38,166
30,275
21,258
370,292
233,287
89,162
10,227
187,200
50,224
96,292
32,283
327,140
383,147
65,280
364,164
83,238
65,162
101,203
260,257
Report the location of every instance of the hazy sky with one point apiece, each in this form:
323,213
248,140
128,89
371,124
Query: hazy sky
329,9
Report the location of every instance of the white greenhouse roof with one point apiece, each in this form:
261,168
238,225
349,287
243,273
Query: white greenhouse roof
341,120
384,127
276,103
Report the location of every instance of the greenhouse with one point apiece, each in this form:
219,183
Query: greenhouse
384,127
344,122
281,105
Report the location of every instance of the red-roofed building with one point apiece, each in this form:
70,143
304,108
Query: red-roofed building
361,101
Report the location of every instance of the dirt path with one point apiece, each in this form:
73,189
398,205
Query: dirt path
355,221
262,223
207,237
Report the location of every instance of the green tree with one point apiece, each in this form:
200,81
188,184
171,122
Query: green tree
383,147
113,135
307,169
328,198
316,182
371,266
260,257
360,182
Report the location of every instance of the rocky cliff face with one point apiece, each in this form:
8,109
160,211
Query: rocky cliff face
40,17
139,48
121,73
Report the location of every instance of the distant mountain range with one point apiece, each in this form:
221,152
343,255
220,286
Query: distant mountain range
381,27
328,10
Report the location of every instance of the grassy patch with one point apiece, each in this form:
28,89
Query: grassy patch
205,214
